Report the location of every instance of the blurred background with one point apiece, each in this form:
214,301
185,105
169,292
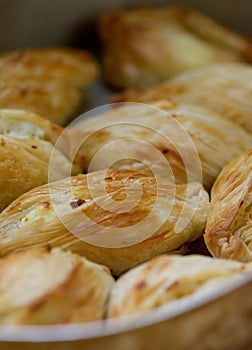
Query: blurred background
25,23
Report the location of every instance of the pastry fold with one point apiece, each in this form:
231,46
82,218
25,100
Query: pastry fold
180,142
27,143
223,88
119,218
229,225
146,45
172,281
47,81
43,286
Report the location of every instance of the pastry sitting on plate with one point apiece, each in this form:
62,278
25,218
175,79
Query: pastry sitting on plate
47,81
224,88
119,218
27,142
173,281
43,286
143,46
229,225
179,142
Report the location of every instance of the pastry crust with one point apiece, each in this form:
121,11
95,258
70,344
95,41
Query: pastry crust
46,81
24,124
26,145
77,215
146,45
224,88
171,281
187,140
39,286
229,226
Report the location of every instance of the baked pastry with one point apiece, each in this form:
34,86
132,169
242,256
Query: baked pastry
27,143
172,281
119,218
46,81
40,286
187,141
223,88
229,226
24,124
146,45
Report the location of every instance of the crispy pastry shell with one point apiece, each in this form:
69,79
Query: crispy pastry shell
148,45
39,286
187,138
224,88
46,81
26,145
229,225
171,280
48,215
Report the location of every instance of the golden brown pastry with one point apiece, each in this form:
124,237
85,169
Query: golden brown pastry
46,81
187,140
229,226
40,286
26,145
223,88
146,45
172,281
119,218
23,124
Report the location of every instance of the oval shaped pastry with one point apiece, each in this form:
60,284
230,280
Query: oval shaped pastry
47,81
146,45
119,218
40,286
224,88
229,225
172,281
26,145
175,141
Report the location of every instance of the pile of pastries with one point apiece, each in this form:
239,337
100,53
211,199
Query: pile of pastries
144,205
